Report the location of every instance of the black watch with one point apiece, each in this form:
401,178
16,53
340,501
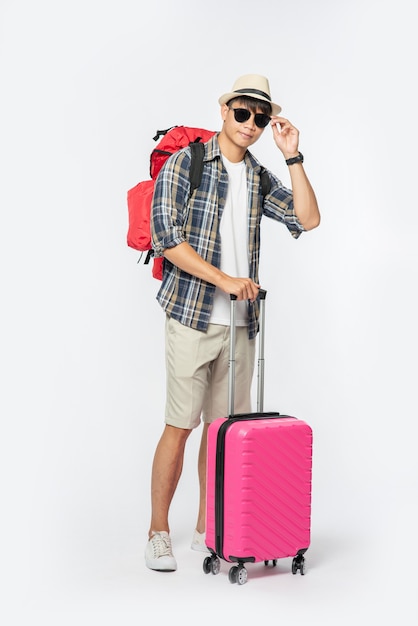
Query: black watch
296,159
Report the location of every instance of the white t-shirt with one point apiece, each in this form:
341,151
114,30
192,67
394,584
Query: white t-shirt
234,243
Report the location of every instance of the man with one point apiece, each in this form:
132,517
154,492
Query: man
210,244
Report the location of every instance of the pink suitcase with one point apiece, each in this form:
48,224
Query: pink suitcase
259,476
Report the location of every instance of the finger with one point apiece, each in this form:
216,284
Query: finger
252,291
244,292
255,293
278,118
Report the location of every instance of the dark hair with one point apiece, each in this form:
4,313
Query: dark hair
252,104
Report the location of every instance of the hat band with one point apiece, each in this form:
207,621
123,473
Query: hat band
256,91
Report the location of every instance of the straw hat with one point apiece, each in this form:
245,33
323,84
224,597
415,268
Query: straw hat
254,86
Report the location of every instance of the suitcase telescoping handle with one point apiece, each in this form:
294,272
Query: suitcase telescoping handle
260,368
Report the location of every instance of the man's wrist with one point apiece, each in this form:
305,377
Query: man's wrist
295,159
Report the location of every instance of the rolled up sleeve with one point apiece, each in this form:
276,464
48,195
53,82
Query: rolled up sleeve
278,205
171,193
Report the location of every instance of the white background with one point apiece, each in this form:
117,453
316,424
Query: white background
84,85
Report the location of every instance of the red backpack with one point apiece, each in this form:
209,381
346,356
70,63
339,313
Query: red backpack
140,197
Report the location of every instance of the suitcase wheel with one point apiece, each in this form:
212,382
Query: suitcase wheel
273,563
212,564
238,574
298,563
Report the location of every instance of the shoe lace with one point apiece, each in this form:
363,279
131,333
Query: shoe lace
161,545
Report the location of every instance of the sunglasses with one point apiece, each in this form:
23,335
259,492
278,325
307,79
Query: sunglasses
242,115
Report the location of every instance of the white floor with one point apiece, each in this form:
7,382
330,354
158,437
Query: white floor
348,582
79,560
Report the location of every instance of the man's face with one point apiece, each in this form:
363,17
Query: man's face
246,132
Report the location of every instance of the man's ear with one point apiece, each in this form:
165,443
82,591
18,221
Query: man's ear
224,111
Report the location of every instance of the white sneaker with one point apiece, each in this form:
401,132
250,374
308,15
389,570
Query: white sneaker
198,542
159,554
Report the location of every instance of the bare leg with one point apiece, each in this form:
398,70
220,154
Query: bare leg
166,472
201,518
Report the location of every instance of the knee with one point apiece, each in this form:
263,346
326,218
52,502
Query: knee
178,435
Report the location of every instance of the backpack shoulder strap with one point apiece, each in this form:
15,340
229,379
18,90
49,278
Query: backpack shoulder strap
196,169
196,165
265,182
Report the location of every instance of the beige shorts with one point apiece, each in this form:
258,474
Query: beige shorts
197,373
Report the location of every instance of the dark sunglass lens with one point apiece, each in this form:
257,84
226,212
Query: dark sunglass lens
241,115
261,120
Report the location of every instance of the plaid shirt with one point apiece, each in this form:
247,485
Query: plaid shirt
176,218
